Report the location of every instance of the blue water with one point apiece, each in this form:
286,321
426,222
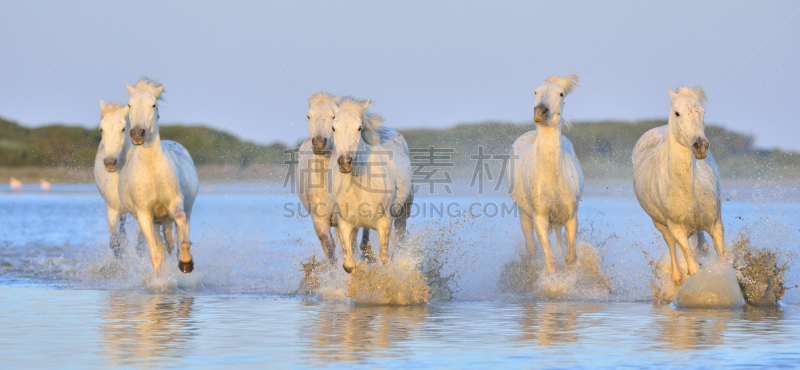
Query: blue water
66,302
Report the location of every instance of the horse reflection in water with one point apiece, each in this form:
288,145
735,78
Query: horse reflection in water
696,329
143,329
553,323
344,333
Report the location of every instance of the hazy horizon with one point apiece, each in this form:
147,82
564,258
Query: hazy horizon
248,68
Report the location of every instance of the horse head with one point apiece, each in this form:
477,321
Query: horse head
144,110
320,122
686,119
112,128
550,99
353,130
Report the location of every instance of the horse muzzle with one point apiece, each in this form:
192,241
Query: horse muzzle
700,148
111,164
138,135
345,163
320,145
541,114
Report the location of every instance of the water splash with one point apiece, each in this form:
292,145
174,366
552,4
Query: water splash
585,280
398,283
760,270
663,288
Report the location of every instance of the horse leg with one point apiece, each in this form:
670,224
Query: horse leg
123,236
384,229
682,238
366,248
185,261
718,236
167,231
702,247
160,239
542,225
676,272
401,219
347,233
113,227
571,227
148,229
527,229
322,226
559,239
141,243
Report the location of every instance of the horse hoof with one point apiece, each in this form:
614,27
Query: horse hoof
349,269
186,267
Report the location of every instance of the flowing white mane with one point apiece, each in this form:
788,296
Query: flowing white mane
109,108
695,92
568,83
322,97
371,121
150,85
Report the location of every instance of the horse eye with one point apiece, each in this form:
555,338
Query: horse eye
562,94
101,130
359,129
123,130
677,114
154,105
333,128
308,116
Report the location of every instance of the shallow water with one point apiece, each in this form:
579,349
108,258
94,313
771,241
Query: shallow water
63,295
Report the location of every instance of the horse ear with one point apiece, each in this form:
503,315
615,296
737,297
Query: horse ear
335,107
125,110
672,95
130,89
157,91
102,105
366,104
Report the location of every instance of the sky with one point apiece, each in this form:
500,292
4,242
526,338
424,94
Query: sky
248,67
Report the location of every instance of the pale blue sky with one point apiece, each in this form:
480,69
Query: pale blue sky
426,63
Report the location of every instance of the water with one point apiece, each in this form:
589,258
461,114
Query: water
63,295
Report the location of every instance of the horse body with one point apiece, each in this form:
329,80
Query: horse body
110,158
312,173
371,178
546,177
159,183
677,181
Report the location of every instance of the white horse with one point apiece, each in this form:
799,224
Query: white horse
158,184
312,174
108,162
109,159
546,177
676,178
371,177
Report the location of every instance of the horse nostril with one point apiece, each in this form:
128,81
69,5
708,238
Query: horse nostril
696,145
110,161
319,142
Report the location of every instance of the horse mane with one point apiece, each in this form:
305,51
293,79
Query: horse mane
694,92
568,83
109,108
322,97
371,121
148,84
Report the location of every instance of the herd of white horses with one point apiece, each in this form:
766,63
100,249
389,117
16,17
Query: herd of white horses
354,173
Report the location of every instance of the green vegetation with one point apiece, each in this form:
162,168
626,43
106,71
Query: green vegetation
58,145
603,147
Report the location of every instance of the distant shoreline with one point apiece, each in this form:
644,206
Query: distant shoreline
275,174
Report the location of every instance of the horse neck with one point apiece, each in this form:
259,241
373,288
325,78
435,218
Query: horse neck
548,148
680,160
154,153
